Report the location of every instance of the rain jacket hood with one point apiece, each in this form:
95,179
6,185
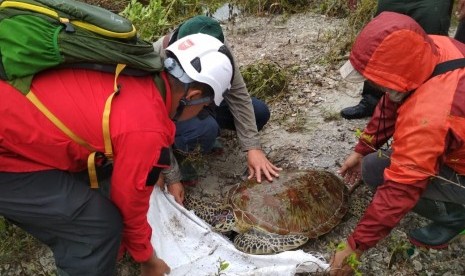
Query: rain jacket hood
393,51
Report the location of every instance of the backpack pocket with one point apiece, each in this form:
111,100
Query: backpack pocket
29,45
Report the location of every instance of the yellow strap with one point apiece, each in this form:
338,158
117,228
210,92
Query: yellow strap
59,124
102,31
105,125
106,113
54,14
92,171
31,7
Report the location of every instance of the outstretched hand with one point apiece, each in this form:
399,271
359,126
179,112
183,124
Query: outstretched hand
339,264
258,164
177,190
351,170
154,267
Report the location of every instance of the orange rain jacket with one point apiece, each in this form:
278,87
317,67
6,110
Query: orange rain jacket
428,128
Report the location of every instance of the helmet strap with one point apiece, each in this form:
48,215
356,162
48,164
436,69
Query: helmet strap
180,109
183,102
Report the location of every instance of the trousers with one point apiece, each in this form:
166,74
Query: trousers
81,226
373,166
203,130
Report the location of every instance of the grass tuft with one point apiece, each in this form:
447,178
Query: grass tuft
265,79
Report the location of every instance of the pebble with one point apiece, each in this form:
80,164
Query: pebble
417,265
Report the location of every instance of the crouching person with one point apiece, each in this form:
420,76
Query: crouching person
238,111
41,185
422,110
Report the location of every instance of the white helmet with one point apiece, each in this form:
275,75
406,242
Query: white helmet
204,59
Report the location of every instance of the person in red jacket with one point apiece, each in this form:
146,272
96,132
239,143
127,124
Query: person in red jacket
423,77
43,185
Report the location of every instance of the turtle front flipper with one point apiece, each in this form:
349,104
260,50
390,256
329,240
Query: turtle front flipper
256,241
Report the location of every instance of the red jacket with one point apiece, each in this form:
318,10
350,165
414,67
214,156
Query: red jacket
428,128
140,129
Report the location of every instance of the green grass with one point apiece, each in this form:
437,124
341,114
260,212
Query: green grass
20,253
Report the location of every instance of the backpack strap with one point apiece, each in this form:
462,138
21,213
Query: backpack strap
57,122
77,10
106,113
447,66
109,68
160,84
91,164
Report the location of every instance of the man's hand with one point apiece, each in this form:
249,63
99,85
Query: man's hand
161,182
154,267
339,264
351,170
460,9
177,190
258,164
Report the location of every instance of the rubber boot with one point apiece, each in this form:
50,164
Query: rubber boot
448,222
366,107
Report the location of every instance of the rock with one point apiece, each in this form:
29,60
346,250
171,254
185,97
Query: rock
417,265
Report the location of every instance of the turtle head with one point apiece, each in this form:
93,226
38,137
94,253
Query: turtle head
219,215
224,220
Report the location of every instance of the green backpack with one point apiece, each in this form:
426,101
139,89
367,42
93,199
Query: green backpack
36,35
39,34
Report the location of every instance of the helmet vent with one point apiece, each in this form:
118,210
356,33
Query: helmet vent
196,64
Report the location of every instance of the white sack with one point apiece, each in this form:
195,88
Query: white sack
189,247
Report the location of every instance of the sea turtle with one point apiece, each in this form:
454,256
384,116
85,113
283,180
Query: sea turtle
277,216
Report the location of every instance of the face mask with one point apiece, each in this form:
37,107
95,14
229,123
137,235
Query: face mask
395,96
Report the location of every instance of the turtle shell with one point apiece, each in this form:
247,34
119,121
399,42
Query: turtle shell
306,202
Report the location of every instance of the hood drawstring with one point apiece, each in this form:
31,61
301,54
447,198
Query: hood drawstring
383,119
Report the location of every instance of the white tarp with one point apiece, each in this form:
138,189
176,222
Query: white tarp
189,247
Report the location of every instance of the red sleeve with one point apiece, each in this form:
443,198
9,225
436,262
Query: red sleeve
389,205
380,127
135,156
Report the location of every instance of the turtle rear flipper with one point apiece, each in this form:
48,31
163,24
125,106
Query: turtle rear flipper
256,241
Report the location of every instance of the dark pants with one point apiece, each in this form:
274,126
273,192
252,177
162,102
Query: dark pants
460,32
432,15
203,130
373,167
81,226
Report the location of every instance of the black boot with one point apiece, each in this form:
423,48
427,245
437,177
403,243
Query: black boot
365,108
448,222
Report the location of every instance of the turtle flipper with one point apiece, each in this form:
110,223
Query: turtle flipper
260,242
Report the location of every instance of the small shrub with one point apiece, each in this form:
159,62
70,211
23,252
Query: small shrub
265,79
342,40
333,8
261,7
150,20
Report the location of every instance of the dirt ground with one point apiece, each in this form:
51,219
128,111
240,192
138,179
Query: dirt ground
305,131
